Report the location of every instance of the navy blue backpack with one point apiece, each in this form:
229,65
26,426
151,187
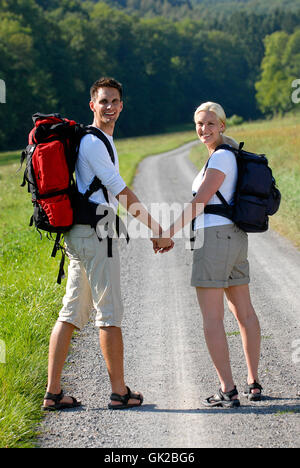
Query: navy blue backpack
256,196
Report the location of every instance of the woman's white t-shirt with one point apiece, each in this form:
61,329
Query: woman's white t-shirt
224,161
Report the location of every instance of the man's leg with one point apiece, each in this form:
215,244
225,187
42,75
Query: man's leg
58,350
111,343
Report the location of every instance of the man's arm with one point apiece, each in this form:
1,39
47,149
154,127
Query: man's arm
130,201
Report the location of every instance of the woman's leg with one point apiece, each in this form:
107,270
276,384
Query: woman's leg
239,303
211,301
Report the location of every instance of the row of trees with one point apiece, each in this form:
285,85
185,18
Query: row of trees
199,9
51,53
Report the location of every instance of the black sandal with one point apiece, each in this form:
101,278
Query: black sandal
123,399
57,405
253,396
223,399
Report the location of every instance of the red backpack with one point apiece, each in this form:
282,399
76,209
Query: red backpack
50,163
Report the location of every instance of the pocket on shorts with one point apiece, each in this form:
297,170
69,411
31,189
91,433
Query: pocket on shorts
81,230
216,247
76,238
224,235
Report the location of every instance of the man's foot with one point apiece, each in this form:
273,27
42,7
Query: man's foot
253,391
55,402
126,399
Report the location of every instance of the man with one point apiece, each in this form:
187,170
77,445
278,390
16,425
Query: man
93,277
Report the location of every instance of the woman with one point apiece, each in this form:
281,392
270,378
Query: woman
221,264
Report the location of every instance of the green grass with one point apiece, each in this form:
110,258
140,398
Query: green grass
279,139
9,157
133,150
29,300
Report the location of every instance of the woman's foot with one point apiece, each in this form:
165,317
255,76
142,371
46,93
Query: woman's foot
223,399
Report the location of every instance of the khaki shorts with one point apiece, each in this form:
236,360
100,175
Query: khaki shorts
93,280
221,259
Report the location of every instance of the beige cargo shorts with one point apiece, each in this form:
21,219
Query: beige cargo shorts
221,259
93,280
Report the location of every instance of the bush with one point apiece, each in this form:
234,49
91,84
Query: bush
235,120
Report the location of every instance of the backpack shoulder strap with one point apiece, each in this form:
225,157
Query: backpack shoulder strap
235,151
95,131
226,147
96,183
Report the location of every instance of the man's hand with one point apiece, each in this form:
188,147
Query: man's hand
162,244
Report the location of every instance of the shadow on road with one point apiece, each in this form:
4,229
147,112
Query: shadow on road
244,409
262,407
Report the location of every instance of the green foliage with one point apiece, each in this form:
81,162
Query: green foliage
200,9
234,120
51,53
280,67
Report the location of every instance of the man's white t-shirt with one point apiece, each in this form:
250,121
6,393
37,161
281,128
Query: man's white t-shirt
94,160
224,161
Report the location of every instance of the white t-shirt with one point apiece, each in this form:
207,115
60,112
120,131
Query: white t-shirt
224,161
94,160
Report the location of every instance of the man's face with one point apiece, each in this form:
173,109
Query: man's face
106,107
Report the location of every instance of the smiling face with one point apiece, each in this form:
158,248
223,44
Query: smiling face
209,128
106,106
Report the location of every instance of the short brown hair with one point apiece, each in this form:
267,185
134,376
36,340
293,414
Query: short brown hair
106,83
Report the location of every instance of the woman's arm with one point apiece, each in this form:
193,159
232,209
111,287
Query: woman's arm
211,183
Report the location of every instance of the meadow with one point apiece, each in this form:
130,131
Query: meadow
29,296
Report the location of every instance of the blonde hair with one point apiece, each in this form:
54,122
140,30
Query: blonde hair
220,113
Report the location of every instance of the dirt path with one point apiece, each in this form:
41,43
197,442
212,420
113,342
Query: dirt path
165,352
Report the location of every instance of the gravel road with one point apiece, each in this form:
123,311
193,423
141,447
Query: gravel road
165,352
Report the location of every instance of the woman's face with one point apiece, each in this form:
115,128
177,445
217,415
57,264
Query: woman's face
209,128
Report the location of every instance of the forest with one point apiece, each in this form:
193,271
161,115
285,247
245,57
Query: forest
169,57
198,9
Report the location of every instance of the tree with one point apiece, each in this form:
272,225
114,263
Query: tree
16,61
280,67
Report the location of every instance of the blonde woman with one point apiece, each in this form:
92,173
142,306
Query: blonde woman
220,265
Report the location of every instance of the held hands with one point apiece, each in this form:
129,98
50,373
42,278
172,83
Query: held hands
162,244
